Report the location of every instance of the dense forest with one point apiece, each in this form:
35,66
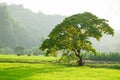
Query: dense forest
22,27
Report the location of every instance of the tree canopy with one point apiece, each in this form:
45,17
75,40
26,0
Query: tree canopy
74,32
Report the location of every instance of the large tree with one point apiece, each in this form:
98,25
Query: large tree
73,34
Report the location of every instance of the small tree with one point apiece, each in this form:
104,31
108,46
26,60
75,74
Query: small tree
74,32
19,50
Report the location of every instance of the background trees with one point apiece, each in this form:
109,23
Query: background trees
72,35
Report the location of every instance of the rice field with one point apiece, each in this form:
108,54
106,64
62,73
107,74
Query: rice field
51,70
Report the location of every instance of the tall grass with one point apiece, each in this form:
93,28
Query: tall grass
103,56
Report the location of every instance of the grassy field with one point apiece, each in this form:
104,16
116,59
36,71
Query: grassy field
55,71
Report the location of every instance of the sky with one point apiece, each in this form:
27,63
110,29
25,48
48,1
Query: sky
107,9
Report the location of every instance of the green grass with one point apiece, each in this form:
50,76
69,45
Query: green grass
25,58
27,71
55,71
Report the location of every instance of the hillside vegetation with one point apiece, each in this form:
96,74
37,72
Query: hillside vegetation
22,27
12,32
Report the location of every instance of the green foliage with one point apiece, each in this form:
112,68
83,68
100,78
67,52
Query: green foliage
74,32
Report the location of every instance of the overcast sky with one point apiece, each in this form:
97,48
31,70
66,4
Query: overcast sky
108,9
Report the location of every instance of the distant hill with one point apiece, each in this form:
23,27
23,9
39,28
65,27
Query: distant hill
25,27
12,32
38,24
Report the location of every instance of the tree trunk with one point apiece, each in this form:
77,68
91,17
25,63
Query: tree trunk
80,60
